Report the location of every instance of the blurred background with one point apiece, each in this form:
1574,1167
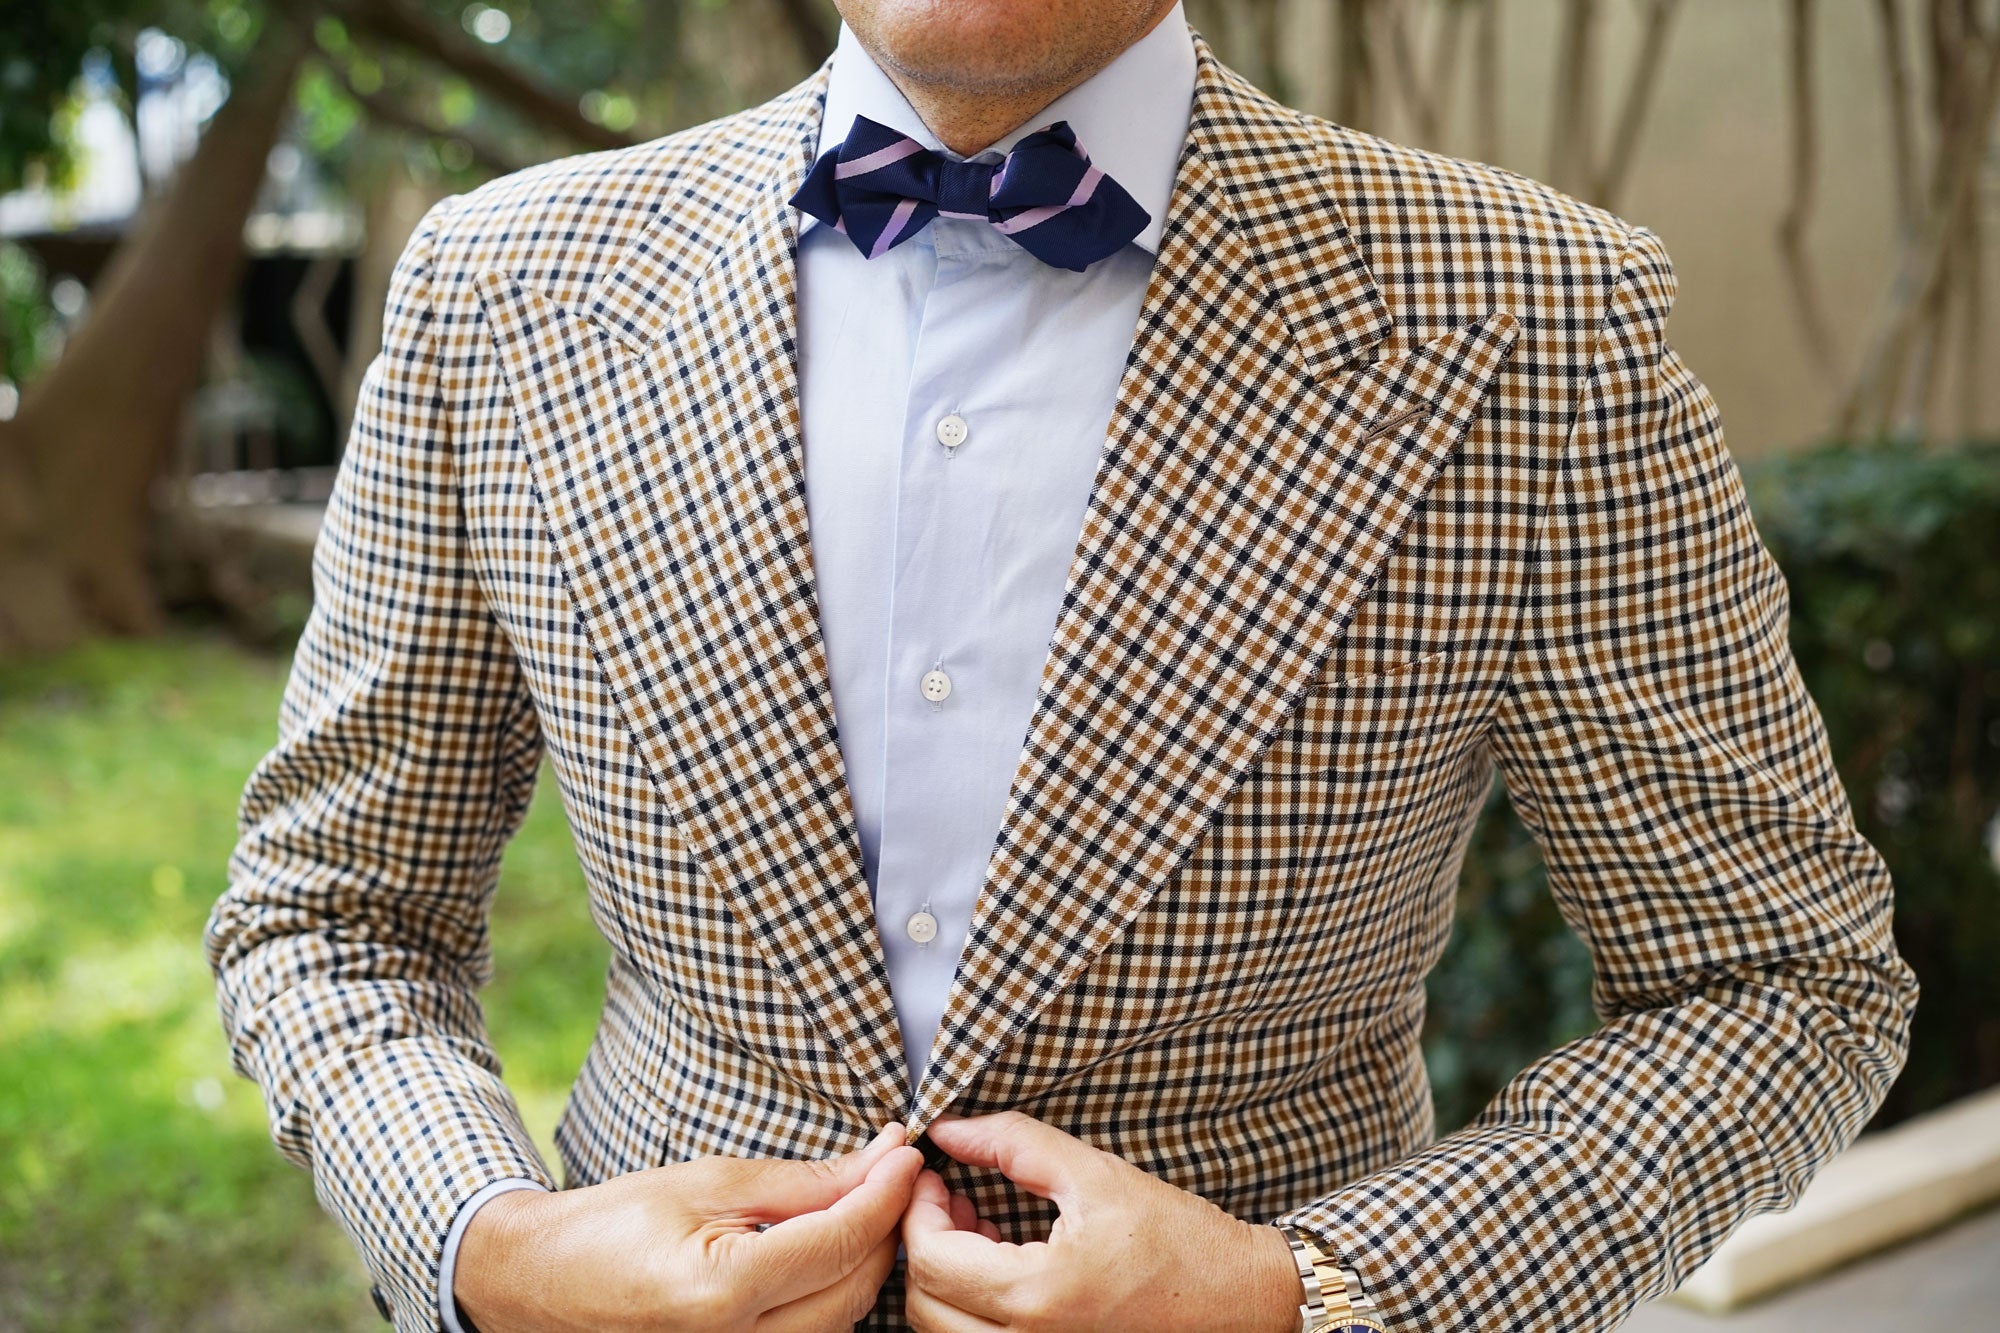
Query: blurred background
200,204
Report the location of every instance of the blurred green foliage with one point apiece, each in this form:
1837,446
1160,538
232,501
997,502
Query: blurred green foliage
629,62
28,329
42,49
138,1187
1892,554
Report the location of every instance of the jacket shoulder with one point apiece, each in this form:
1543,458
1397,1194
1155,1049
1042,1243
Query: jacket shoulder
558,224
1450,239
1460,192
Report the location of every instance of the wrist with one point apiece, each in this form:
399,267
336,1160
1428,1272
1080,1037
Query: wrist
1276,1292
488,1279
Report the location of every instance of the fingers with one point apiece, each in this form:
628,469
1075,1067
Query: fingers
772,1189
966,1269
965,1216
841,1305
1032,1153
810,1251
929,1211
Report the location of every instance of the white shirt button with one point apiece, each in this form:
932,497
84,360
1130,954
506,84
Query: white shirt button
921,927
936,686
951,431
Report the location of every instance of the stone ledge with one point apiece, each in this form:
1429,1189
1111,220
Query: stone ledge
1887,1188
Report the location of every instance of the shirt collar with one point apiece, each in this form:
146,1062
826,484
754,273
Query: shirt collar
1131,116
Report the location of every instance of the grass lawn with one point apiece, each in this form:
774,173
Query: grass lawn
138,1187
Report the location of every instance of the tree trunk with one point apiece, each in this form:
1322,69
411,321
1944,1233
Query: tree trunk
37,611
77,465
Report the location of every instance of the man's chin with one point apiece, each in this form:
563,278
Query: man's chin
977,74
997,47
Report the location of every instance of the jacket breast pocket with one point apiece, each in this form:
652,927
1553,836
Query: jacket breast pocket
1381,723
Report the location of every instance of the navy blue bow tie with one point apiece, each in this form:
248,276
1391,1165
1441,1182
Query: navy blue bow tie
880,187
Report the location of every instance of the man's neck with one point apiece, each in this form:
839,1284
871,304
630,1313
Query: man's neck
967,120
967,123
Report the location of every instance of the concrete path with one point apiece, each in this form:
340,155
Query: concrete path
1945,1283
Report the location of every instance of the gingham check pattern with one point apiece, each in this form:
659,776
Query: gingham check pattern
1403,483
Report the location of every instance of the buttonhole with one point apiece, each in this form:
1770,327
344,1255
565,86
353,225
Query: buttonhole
1398,419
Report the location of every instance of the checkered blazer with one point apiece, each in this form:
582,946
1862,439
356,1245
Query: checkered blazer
1403,484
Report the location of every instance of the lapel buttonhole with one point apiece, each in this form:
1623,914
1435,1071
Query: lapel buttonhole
1395,420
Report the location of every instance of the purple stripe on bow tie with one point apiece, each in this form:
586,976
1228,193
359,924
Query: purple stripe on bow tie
898,220
881,157
879,187
1029,217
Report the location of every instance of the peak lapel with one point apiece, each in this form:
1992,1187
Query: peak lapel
662,425
1241,508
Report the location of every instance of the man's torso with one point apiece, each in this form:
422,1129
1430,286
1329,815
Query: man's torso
1231,855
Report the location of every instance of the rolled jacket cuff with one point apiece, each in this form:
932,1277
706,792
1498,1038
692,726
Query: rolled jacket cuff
448,1262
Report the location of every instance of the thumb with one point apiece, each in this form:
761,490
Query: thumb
815,1250
1032,1153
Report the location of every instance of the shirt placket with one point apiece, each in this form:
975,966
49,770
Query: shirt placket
938,817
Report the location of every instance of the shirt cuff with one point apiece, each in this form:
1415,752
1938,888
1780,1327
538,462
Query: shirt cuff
448,1307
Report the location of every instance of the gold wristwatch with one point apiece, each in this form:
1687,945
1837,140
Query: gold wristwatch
1335,1302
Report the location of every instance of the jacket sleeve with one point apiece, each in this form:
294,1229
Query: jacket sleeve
351,940
1657,740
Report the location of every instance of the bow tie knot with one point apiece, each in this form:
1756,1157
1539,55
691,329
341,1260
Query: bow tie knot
965,189
880,187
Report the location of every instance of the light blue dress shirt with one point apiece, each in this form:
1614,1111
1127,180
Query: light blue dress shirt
955,395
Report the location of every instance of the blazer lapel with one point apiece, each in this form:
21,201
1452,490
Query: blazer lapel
662,426
1247,494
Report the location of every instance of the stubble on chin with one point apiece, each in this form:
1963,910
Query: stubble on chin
989,49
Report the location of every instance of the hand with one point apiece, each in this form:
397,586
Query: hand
1128,1251
676,1247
